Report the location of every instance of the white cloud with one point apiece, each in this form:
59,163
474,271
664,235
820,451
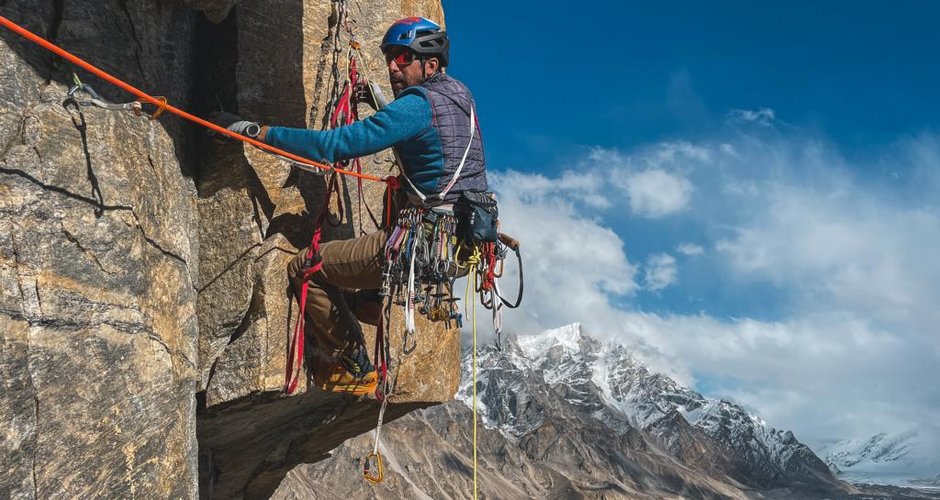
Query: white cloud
690,249
657,193
587,186
822,375
572,262
844,248
854,345
672,155
660,272
762,116
652,182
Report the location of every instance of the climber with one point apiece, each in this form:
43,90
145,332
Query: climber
432,126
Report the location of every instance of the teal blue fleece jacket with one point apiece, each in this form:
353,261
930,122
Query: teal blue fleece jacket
405,123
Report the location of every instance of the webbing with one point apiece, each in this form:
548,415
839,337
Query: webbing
161,103
343,113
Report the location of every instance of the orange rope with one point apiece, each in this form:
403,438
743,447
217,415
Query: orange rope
161,103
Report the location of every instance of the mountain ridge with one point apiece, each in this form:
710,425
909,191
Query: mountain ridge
566,416
608,382
900,458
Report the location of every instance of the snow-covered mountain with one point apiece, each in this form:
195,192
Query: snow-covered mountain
565,416
605,382
903,458
881,448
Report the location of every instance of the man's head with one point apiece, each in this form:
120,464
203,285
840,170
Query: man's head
415,49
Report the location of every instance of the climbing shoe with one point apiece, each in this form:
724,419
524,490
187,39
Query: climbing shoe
353,374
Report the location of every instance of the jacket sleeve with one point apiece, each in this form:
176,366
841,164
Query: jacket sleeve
401,120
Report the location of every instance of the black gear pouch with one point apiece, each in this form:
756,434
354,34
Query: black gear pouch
477,217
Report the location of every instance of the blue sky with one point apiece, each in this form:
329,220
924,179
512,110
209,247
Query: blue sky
626,74
748,193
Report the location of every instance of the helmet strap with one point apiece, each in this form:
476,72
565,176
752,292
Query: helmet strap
424,70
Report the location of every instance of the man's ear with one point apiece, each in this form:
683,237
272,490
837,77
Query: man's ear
432,65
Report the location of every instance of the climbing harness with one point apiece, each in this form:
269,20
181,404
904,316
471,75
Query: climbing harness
421,262
423,256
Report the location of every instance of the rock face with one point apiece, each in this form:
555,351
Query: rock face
98,267
144,300
565,416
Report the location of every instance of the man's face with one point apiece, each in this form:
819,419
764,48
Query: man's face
404,68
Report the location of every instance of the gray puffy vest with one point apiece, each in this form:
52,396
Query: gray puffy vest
451,105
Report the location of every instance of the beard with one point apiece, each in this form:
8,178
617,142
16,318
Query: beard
398,84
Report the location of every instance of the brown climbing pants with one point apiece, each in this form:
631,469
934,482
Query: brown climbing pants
349,265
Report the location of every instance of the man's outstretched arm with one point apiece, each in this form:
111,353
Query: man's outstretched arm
400,120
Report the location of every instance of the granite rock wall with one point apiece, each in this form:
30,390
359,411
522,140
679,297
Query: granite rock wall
144,307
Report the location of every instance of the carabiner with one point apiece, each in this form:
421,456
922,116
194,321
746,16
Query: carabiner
373,470
406,348
160,109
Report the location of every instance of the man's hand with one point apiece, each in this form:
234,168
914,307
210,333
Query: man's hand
234,123
370,93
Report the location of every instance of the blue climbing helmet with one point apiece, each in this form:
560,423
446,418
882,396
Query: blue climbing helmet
423,36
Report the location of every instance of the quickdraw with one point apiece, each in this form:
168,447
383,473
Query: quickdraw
488,268
96,100
420,266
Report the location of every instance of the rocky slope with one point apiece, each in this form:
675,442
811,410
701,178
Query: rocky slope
606,379
566,416
144,308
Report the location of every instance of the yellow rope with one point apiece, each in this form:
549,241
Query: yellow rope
474,391
472,262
